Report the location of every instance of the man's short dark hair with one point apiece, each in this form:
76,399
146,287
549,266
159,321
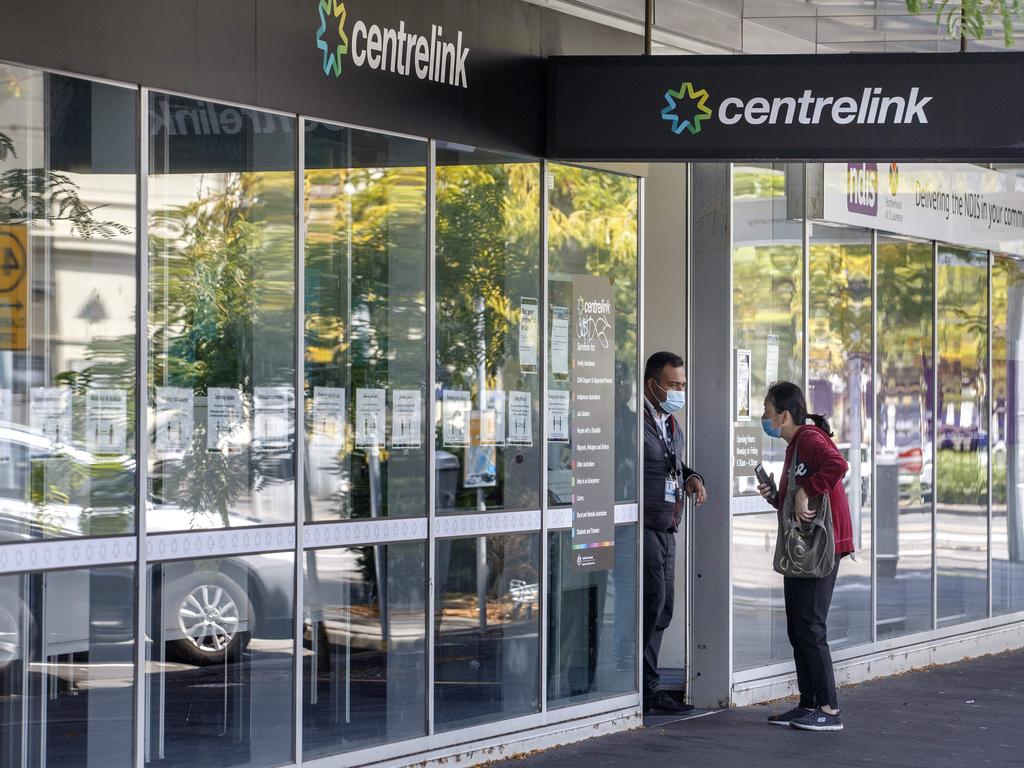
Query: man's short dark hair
656,364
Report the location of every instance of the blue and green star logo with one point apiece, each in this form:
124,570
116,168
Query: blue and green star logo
332,59
701,111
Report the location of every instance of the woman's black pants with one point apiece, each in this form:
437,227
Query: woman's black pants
807,604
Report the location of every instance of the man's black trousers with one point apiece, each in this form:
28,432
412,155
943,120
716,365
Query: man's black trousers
659,596
807,604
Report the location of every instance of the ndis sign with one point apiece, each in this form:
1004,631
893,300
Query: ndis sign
427,55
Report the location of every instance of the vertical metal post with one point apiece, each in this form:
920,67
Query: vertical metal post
988,431
431,302
141,416
542,372
805,319
300,423
874,434
935,433
641,206
648,26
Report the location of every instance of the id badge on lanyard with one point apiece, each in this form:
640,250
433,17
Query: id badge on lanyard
671,489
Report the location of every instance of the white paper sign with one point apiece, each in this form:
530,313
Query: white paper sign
487,427
520,419
558,415
560,341
771,367
954,202
496,402
51,413
456,406
371,415
106,421
174,421
329,416
528,327
272,425
742,385
406,418
225,419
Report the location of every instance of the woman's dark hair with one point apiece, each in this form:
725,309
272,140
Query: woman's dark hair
787,396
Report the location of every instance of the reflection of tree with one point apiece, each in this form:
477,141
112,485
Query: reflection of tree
220,275
43,195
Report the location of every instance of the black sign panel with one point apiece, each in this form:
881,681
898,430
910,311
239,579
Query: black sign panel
842,107
592,393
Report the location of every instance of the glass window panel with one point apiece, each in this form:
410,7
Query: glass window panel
903,464
488,284
592,230
67,662
1007,436
220,670
592,623
961,536
487,629
221,326
840,380
364,637
767,265
67,306
365,206
758,604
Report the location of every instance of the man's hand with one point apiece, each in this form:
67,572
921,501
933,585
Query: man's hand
765,489
803,513
695,486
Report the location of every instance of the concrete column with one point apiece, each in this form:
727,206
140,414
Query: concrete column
710,387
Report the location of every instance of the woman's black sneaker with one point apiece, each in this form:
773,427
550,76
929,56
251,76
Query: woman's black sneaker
818,720
786,718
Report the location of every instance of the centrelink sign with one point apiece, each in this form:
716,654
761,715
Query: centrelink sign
845,107
426,55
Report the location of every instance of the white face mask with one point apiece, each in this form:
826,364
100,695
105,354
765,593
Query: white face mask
674,400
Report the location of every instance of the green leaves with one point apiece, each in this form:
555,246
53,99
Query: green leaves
969,18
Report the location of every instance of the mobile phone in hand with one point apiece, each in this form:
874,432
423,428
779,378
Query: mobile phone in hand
766,479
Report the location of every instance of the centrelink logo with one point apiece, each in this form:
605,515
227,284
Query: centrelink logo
388,49
686,108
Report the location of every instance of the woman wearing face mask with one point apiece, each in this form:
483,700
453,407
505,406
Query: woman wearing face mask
820,470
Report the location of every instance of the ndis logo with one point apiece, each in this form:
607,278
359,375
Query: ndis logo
862,188
391,49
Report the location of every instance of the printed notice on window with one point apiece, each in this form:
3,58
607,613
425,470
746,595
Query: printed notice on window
771,366
371,413
51,413
225,420
406,418
455,409
272,425
558,416
520,419
329,416
496,402
742,385
481,457
592,384
560,341
528,327
174,421
106,421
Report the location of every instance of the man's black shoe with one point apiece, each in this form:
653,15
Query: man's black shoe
662,702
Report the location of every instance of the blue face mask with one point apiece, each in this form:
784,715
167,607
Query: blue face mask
771,431
674,399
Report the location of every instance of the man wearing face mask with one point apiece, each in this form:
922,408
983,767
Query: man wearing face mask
666,482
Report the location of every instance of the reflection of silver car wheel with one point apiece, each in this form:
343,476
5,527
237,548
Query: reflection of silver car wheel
208,618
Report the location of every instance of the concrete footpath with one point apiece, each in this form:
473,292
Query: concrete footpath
965,715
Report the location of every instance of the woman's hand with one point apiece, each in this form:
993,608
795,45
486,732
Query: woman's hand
801,509
765,489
